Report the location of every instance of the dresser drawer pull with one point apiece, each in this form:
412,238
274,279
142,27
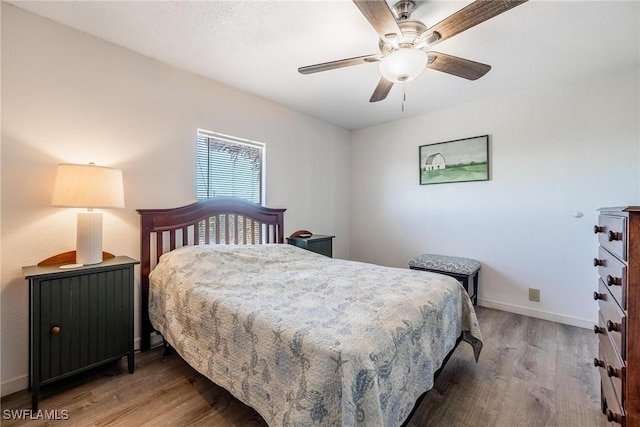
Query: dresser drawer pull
597,229
55,330
613,326
597,296
597,262
611,281
612,417
598,363
614,236
613,372
598,330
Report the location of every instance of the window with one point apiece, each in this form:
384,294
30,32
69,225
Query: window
228,166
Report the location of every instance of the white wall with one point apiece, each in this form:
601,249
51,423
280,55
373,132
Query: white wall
69,97
553,152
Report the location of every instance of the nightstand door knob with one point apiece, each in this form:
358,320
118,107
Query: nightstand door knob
597,229
55,330
598,363
597,262
598,330
597,296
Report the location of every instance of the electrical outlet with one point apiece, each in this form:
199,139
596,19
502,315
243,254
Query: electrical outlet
534,295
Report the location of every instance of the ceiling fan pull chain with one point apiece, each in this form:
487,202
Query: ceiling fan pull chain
404,95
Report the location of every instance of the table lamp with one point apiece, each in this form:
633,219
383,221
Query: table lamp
88,186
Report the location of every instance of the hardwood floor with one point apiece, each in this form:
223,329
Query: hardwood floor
531,373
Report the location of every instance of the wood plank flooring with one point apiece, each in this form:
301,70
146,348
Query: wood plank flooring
531,373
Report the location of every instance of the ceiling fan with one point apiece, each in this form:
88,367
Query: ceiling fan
404,42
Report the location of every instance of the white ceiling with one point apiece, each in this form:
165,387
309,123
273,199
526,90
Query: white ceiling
257,46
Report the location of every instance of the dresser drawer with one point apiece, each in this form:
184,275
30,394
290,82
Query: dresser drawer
613,321
612,368
613,273
612,406
612,234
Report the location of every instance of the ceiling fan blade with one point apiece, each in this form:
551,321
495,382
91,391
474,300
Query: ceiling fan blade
456,66
467,17
380,17
325,66
382,90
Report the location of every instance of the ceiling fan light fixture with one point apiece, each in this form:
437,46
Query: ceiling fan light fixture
403,65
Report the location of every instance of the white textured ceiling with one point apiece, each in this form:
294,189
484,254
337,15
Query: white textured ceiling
257,46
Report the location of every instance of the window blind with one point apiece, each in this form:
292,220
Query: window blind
228,166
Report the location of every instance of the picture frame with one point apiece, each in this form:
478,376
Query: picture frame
460,160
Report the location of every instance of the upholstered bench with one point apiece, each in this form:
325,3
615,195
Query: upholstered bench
463,269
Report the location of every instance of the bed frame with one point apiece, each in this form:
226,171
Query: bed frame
221,220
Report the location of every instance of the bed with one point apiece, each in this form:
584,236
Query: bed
302,338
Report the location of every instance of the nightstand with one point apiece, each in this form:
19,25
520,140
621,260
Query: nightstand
316,243
79,318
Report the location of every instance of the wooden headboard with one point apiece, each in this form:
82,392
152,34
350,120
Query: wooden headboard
221,220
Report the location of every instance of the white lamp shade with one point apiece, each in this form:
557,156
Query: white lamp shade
403,65
88,186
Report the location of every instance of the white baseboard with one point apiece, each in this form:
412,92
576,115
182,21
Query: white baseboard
538,314
21,382
14,384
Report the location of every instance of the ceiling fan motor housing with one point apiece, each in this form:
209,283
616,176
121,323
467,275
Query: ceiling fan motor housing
412,29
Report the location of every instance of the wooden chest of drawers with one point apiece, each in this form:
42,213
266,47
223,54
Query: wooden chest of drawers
618,328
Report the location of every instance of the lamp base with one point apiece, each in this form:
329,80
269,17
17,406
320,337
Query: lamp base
68,266
89,238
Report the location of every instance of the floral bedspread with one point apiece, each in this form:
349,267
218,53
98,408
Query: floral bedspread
309,340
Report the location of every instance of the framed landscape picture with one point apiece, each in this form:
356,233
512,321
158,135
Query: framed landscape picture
461,160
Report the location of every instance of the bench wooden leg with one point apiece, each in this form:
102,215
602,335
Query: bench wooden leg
475,288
